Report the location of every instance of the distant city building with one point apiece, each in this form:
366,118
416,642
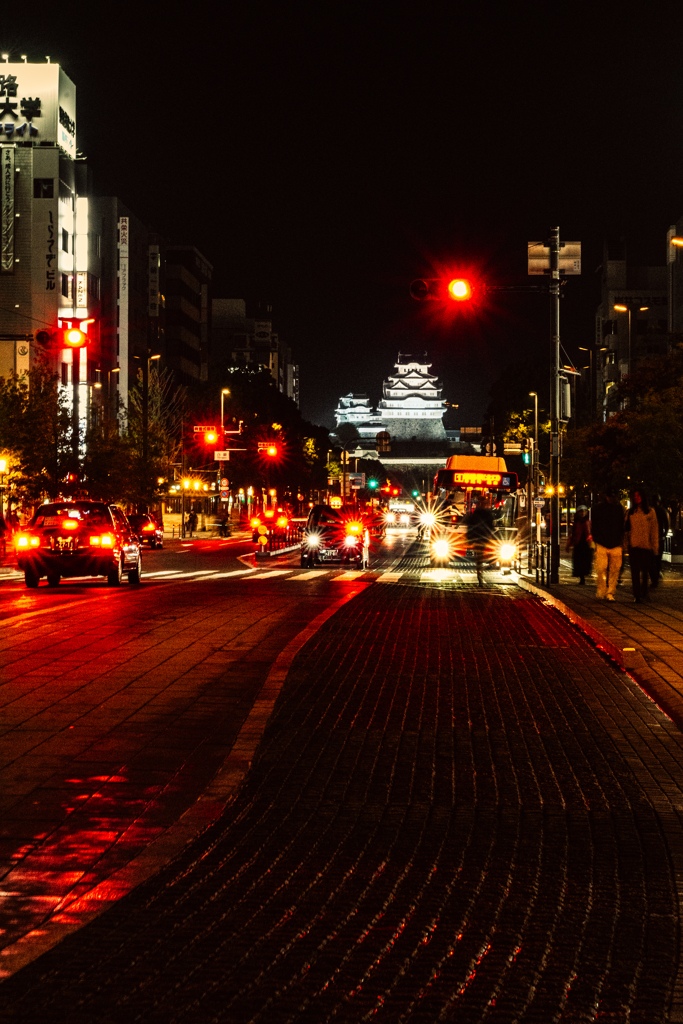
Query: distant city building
188,303
625,336
250,341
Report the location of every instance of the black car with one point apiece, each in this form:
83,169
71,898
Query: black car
78,538
335,536
147,529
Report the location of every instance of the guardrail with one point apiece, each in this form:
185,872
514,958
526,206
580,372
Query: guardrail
277,539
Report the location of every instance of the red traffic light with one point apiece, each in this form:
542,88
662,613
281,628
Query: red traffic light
269,449
459,289
445,289
210,437
74,337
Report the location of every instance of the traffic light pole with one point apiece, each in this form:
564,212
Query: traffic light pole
554,245
75,432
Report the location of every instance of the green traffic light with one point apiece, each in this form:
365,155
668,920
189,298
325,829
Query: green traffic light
416,494
372,483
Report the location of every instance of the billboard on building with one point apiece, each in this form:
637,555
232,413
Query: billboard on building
38,102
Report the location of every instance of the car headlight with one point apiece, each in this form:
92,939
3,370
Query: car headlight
441,548
507,552
351,541
313,540
427,518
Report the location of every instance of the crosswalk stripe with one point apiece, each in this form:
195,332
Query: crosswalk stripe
310,575
349,575
223,575
268,575
388,577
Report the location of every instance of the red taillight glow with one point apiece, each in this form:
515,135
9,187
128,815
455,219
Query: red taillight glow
104,540
354,527
255,523
148,528
69,524
282,522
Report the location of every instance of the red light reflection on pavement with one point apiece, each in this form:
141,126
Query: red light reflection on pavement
61,869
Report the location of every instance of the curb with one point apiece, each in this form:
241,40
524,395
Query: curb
629,659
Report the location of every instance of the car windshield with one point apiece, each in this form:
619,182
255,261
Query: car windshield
88,513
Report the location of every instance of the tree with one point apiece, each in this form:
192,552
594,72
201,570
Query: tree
114,464
35,432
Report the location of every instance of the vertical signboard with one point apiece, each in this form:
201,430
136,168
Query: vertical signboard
7,251
124,295
153,301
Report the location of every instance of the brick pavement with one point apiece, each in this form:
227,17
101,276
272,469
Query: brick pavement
460,811
645,639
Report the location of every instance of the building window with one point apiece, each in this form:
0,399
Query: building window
65,285
65,240
43,188
66,374
93,286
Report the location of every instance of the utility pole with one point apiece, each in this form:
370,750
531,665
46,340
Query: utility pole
555,412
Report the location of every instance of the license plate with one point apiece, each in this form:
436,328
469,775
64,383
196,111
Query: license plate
330,553
65,543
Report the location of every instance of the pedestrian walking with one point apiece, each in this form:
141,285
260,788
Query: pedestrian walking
662,530
579,543
192,522
480,531
607,531
642,542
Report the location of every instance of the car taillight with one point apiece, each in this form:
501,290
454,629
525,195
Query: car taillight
255,523
104,540
24,541
354,527
69,524
282,522
148,528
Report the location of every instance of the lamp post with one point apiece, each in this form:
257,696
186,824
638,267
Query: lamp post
534,395
591,385
627,307
224,392
3,470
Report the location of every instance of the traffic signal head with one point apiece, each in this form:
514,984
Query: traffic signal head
372,484
459,289
446,289
268,449
74,337
210,437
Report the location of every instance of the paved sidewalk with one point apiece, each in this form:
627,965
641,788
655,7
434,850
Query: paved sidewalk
645,639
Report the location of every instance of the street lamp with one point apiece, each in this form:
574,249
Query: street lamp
534,395
3,470
224,392
626,308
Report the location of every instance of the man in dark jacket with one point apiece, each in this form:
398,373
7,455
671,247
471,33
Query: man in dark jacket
607,530
480,531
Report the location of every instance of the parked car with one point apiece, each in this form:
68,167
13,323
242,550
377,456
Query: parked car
147,529
78,538
335,536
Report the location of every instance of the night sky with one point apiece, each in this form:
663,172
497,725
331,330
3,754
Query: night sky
322,156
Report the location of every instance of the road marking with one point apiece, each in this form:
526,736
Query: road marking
273,572
350,575
310,575
235,572
163,572
388,577
438,574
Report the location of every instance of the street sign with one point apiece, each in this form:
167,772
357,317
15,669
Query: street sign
539,502
204,430
224,495
570,258
224,482
357,480
221,456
